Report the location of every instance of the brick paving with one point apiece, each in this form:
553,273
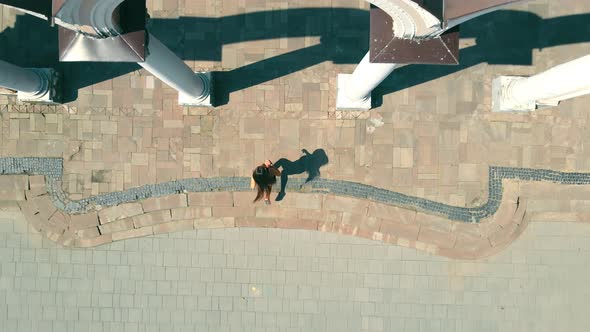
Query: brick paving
433,136
434,140
295,280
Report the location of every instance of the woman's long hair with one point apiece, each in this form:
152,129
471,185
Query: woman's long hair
264,181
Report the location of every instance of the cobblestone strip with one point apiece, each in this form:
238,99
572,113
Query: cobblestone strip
52,169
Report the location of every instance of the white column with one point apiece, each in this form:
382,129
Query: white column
565,81
161,62
22,79
93,17
354,90
32,85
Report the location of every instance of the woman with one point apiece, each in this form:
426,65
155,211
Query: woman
263,177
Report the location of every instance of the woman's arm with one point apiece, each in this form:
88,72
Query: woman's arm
252,183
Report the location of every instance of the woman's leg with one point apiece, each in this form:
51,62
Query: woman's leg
267,194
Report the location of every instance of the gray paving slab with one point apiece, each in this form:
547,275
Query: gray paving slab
369,286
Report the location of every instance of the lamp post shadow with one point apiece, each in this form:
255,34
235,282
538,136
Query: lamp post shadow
309,163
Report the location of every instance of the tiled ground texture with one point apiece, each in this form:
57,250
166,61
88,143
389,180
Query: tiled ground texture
277,280
436,139
517,196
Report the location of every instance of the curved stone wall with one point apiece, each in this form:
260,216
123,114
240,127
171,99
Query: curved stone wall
341,207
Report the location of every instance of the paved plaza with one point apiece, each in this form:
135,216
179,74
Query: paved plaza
433,140
122,211
290,280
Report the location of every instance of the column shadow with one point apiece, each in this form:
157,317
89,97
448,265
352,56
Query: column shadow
502,37
309,163
32,42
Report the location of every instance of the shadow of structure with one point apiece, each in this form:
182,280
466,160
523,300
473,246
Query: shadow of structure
32,42
503,37
309,163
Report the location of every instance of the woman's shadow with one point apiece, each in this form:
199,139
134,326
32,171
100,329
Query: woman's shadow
309,163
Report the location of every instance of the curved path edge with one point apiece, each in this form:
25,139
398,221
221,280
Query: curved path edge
323,205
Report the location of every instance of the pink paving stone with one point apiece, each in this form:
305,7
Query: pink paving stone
36,181
384,211
12,195
83,221
151,218
243,198
308,201
507,231
67,239
293,223
469,230
191,212
345,204
368,224
400,229
511,190
468,248
226,222
30,194
52,235
118,212
43,205
388,238
353,224
93,242
275,211
37,185
377,236
241,211
438,223
116,226
365,234
58,222
88,233
173,226
11,182
437,238
164,202
31,214
339,227
302,201
406,243
219,199
504,214
427,247
327,216
289,201
326,226
345,229
255,222
132,233
503,235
